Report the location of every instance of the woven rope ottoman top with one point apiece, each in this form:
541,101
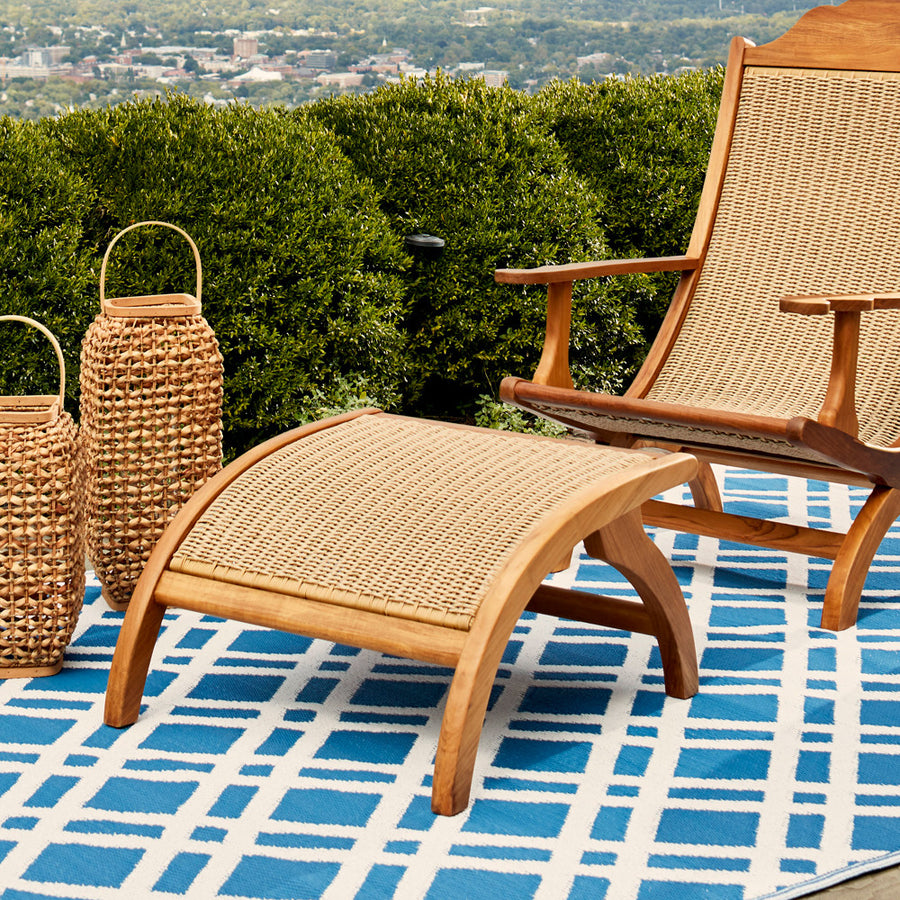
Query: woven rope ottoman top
406,517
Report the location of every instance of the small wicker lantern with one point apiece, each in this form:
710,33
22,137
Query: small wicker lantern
151,416
42,533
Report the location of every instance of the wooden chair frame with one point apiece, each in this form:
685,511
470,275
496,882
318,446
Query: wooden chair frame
858,35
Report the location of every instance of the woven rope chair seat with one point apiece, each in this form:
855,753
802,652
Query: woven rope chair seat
404,517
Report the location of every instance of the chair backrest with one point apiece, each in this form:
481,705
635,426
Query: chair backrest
802,197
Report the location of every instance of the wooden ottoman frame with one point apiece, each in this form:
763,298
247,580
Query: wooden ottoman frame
419,539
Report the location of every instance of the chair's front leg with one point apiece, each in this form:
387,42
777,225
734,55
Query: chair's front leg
848,574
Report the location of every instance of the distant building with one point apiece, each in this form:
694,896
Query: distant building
37,62
45,56
116,70
320,59
596,60
199,53
220,65
245,47
493,78
386,68
413,72
476,18
340,79
256,74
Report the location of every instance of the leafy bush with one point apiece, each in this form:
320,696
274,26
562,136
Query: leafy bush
300,269
474,166
43,269
494,414
641,145
300,218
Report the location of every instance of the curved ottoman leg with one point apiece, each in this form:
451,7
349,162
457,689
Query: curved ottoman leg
705,489
615,500
625,545
461,730
848,575
144,614
131,661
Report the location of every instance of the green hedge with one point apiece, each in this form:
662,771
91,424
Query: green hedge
300,267
300,218
44,270
641,145
475,166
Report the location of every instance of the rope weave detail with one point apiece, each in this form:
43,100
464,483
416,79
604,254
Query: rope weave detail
403,517
151,400
809,205
41,542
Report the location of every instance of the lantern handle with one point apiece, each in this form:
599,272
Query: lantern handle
56,347
158,305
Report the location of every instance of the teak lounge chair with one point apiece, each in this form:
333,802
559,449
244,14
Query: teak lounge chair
779,351
419,539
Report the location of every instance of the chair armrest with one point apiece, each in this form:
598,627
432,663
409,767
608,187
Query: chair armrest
839,406
603,268
821,305
553,369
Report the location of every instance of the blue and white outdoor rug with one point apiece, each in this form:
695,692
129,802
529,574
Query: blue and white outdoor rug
270,766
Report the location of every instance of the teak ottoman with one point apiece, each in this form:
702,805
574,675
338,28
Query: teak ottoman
416,538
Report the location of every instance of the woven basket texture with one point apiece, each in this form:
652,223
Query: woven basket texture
404,517
151,411
689,436
809,205
42,529
41,542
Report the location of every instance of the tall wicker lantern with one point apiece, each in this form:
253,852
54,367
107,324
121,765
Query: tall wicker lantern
151,417
42,528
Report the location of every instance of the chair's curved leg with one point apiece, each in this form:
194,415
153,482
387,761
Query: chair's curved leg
848,575
625,545
705,490
131,660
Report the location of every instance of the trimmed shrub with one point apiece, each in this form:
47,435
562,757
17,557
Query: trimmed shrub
642,146
301,270
43,267
300,218
473,165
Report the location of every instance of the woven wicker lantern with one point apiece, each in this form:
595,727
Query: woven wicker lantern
151,417
42,528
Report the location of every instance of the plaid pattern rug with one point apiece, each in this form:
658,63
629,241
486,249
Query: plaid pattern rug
271,766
